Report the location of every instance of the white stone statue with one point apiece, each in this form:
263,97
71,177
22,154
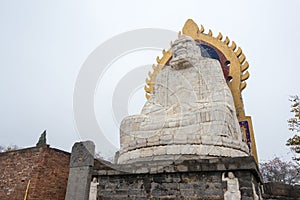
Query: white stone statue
255,196
259,191
93,189
190,114
233,188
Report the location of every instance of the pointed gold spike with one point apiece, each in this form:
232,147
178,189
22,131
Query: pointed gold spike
150,74
242,58
238,52
147,96
158,59
243,85
154,67
233,46
147,89
164,51
190,28
209,32
220,36
226,41
202,29
245,76
245,66
148,81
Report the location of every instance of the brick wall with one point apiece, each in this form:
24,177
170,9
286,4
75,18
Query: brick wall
46,168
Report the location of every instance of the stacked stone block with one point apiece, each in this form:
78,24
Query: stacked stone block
189,179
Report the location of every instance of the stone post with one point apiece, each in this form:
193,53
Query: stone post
80,174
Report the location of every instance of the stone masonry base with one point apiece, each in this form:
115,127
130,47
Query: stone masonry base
190,179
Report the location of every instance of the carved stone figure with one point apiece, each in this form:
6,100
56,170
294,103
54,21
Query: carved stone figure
260,191
255,196
93,189
190,114
233,188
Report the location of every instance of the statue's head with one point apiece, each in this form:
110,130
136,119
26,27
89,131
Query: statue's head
230,175
184,51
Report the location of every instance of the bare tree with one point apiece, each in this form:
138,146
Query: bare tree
294,125
277,170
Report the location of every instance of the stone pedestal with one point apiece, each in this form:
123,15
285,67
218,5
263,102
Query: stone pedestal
80,174
189,179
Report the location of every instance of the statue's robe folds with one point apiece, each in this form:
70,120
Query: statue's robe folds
190,115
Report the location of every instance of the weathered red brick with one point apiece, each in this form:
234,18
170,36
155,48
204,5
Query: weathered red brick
45,167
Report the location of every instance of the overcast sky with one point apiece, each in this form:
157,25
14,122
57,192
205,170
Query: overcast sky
43,45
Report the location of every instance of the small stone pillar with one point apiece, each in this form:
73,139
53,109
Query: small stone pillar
80,174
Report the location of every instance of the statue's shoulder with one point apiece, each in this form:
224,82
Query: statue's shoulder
208,60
